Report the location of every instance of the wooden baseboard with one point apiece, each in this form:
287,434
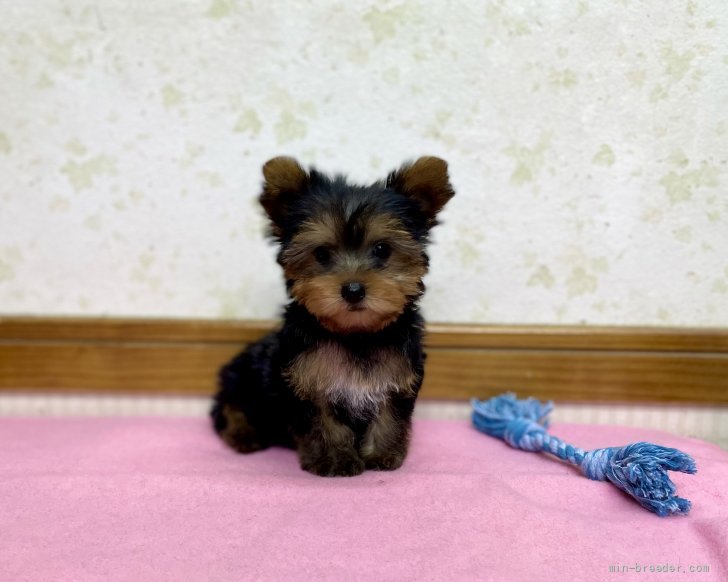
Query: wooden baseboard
580,364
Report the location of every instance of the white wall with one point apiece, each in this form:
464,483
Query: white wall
588,143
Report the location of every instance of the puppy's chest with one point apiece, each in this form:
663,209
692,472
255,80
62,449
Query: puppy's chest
330,372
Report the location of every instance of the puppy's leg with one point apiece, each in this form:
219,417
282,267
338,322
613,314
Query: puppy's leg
386,440
329,448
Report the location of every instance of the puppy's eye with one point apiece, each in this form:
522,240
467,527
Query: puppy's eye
323,255
382,251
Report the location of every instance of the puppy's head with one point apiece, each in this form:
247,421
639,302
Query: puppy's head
354,256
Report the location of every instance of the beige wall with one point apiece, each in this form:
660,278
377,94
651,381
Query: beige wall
588,143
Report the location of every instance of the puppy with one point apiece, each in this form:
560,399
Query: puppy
338,381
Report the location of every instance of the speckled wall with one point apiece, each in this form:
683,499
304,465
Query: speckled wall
587,141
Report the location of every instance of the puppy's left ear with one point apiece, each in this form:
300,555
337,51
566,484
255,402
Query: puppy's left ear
427,182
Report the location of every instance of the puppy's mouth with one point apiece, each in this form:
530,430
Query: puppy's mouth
383,302
360,317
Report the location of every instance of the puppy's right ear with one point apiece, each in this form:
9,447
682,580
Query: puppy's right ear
285,181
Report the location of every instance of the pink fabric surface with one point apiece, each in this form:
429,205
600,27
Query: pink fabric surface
163,499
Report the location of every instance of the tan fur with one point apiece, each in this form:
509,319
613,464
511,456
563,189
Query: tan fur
382,434
298,258
335,433
426,180
283,174
284,177
384,227
387,289
385,300
238,433
319,232
329,372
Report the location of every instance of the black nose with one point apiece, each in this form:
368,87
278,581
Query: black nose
353,292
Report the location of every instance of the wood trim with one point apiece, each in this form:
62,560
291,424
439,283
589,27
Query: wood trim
560,362
440,335
131,330
561,337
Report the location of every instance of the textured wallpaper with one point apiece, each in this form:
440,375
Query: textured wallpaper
587,141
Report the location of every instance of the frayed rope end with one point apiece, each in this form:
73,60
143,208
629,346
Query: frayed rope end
640,470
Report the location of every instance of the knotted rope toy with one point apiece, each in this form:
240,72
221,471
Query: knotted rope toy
639,469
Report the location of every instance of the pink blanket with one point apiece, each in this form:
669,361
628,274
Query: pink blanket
162,499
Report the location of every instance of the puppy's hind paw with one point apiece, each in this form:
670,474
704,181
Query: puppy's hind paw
235,430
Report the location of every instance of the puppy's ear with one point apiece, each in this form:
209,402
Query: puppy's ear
425,181
285,181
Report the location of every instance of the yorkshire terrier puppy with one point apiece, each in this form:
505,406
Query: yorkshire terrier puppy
338,381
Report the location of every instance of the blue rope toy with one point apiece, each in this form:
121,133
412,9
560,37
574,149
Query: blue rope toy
639,469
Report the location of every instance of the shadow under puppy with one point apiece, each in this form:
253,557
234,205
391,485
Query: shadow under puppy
338,381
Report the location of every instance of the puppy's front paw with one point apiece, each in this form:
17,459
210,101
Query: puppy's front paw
334,465
385,462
